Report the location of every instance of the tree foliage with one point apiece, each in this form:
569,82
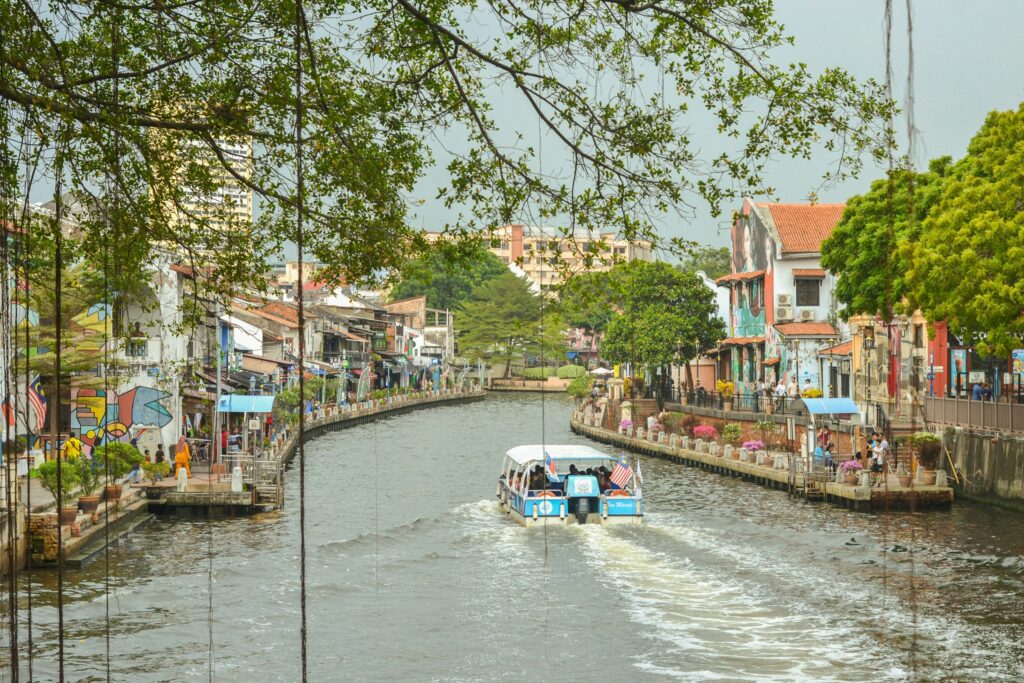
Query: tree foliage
446,276
668,317
590,299
966,268
713,261
135,106
870,248
504,320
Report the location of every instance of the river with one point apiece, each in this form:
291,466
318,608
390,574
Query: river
414,575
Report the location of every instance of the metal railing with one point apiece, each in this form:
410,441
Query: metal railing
744,403
987,415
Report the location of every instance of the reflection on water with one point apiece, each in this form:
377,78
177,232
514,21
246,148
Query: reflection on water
415,575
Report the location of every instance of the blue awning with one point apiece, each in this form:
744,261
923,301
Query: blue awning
830,406
234,403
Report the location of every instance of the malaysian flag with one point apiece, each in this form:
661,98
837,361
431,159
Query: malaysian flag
35,398
621,474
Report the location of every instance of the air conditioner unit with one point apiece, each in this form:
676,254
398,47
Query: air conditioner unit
785,299
806,315
783,313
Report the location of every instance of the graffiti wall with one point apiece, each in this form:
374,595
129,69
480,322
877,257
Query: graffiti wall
140,413
802,362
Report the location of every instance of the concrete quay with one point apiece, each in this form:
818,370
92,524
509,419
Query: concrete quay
813,487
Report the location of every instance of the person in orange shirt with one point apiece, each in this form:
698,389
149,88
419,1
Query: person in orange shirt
182,457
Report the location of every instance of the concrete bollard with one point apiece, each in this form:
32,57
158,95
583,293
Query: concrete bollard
762,456
182,480
744,453
865,478
236,479
713,448
640,433
661,437
727,451
684,443
940,478
673,440
629,432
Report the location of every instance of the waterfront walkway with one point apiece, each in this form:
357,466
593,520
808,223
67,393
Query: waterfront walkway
793,477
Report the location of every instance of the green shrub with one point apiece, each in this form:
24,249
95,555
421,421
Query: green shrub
537,373
580,387
571,371
89,475
68,480
117,459
732,432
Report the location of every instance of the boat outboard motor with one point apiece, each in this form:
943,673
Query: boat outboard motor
582,510
582,491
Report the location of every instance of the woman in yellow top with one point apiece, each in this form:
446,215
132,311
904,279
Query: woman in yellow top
182,456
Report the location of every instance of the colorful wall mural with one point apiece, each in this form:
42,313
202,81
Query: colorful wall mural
99,416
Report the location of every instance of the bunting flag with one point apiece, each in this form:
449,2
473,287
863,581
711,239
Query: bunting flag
8,411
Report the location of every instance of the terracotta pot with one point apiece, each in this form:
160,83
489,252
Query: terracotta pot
736,455
68,515
850,479
112,492
88,504
929,477
906,481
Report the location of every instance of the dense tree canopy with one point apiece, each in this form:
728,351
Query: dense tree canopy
871,247
591,299
140,103
966,268
445,276
503,320
714,262
668,317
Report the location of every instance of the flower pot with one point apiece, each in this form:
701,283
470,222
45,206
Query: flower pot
68,515
736,455
850,479
112,492
727,405
929,477
88,504
905,481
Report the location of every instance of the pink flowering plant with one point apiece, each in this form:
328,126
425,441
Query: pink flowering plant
850,466
706,432
755,445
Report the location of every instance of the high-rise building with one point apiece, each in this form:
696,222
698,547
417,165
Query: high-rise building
548,256
229,207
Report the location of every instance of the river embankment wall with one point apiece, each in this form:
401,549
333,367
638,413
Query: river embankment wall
990,468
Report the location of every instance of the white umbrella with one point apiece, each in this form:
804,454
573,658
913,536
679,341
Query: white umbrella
600,371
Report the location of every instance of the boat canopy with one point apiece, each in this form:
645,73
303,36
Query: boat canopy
523,455
828,406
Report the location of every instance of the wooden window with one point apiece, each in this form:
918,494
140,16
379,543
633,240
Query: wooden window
808,292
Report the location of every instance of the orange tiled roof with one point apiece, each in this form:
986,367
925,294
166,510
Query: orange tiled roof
809,272
803,227
806,329
844,349
771,361
739,277
741,341
279,310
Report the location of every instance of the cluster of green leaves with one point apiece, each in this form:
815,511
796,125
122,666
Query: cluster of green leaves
447,274
959,259
117,459
580,387
571,371
712,261
144,102
504,320
668,317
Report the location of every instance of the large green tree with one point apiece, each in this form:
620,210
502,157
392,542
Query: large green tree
591,299
505,321
446,276
871,247
669,316
966,268
147,103
713,261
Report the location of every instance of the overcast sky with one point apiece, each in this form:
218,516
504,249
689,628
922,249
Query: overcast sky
967,58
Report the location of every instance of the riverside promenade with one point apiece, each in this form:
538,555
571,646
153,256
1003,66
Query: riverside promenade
775,471
209,491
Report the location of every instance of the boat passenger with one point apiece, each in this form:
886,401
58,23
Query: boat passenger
573,470
602,482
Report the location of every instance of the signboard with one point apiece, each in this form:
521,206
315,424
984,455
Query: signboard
254,425
1018,361
976,376
153,372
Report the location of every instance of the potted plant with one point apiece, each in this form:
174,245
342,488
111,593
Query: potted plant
116,460
155,471
706,432
65,489
903,475
725,389
89,477
929,448
850,469
732,433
